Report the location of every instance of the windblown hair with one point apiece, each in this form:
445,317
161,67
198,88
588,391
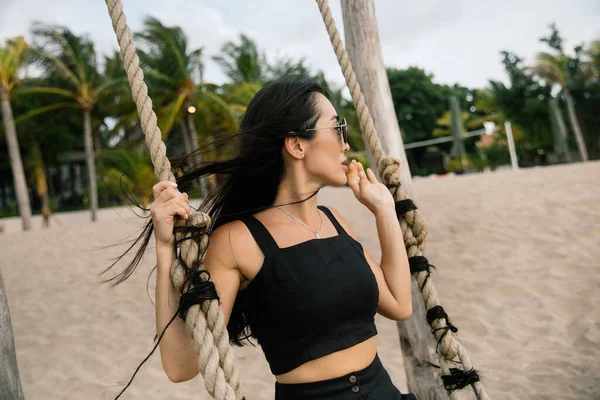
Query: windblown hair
248,182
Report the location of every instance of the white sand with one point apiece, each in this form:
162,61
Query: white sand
518,258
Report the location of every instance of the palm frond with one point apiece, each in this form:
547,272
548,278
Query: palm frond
44,109
12,57
550,67
51,90
170,112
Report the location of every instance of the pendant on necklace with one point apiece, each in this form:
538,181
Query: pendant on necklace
317,236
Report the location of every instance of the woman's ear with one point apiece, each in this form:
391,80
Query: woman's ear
294,146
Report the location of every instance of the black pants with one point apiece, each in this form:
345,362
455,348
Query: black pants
371,383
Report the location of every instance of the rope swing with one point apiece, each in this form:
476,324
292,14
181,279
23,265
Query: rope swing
205,321
204,318
414,232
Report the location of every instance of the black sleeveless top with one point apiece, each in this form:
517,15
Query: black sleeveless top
310,299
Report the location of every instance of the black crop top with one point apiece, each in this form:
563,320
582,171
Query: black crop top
310,299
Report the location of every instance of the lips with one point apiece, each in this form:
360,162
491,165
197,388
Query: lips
345,162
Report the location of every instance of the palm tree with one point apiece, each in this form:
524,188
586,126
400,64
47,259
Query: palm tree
594,53
70,65
243,62
38,175
12,57
174,75
556,69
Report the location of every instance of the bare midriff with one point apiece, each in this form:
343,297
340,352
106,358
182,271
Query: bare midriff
333,365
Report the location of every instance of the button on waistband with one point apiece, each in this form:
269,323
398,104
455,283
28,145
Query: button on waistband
353,379
355,389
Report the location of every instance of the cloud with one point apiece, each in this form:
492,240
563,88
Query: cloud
456,40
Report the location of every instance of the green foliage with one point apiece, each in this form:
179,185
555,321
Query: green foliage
497,155
475,162
422,107
242,62
72,81
524,102
12,58
418,101
130,168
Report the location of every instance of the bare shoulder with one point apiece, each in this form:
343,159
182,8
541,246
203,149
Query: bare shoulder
342,221
225,240
232,246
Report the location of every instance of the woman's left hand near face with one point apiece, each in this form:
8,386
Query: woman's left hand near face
370,192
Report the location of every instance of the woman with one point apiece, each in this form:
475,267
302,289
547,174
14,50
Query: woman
288,272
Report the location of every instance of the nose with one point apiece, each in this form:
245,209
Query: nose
346,147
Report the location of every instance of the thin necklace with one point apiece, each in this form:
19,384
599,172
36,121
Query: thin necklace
311,229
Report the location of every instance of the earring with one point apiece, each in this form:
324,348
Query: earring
301,155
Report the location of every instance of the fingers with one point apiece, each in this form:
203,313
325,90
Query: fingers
363,182
352,176
175,206
168,194
160,186
178,209
358,179
168,201
371,175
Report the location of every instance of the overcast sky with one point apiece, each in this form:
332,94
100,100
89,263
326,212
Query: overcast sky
456,40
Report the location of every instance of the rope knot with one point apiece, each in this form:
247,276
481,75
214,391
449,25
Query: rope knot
435,313
459,379
200,290
191,237
389,170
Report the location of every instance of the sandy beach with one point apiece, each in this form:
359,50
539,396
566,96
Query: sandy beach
518,271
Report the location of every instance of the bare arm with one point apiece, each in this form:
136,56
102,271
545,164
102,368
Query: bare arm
178,355
393,273
394,261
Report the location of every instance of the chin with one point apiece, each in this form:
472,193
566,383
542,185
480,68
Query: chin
338,182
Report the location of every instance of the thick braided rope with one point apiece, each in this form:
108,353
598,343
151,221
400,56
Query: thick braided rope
414,227
206,321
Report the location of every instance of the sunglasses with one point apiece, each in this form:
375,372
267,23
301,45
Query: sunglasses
342,129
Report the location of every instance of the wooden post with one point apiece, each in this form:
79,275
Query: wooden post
458,147
511,146
10,382
364,50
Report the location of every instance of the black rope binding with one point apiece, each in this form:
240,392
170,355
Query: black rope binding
200,290
420,264
459,379
404,206
437,312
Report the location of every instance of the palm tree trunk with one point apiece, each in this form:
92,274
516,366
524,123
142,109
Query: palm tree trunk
97,143
91,165
576,129
186,137
42,189
561,145
16,163
10,382
204,183
193,137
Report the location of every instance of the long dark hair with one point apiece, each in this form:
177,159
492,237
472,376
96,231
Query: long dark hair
248,181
